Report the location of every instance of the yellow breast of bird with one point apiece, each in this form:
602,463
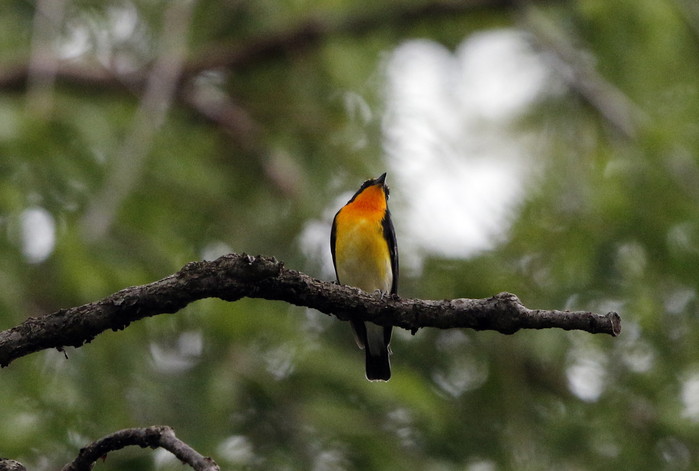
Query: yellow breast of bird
361,252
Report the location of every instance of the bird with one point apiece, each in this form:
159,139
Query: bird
365,255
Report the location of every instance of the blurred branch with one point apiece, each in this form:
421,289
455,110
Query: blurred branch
689,9
579,73
15,77
43,63
157,436
251,51
236,276
161,86
226,114
315,30
154,83
222,111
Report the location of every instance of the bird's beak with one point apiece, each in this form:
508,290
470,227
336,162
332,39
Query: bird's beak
381,179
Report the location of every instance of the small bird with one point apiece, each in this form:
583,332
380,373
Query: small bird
365,255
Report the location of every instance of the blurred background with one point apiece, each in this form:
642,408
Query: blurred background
546,148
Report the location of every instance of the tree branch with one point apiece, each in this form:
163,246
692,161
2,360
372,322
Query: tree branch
235,276
11,465
156,436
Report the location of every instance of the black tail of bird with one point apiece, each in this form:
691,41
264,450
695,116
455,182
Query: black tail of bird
378,368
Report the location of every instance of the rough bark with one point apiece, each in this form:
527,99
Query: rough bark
235,276
157,436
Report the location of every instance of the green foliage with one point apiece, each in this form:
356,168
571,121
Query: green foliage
607,222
